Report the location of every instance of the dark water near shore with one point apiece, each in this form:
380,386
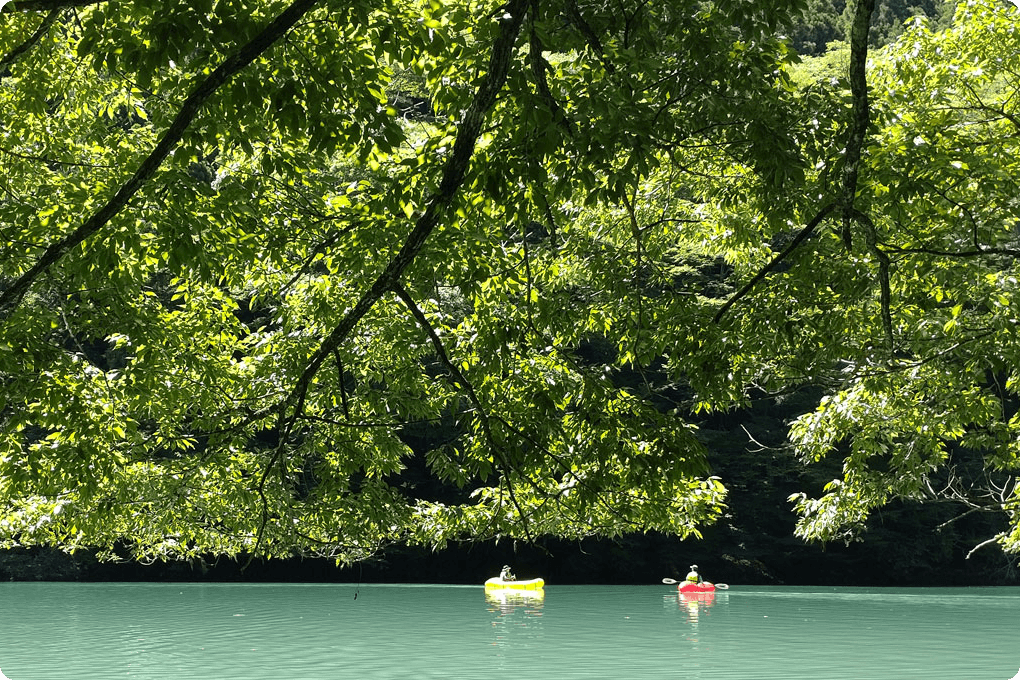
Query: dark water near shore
53,631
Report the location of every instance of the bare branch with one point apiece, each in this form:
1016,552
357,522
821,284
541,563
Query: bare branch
993,539
761,447
966,514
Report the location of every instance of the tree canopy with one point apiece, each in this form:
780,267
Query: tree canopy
251,250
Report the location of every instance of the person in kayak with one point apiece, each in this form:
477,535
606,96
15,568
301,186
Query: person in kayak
506,574
693,576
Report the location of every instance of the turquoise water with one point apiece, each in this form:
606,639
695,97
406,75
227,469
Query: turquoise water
57,631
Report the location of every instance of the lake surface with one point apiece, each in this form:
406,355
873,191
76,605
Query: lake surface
57,631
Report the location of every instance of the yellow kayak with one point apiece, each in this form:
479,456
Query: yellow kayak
496,583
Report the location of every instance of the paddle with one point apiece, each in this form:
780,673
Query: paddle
672,582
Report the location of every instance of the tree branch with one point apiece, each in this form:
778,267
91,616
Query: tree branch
343,383
539,66
861,109
574,13
12,296
463,383
854,150
794,244
635,230
983,252
279,457
871,238
51,161
452,177
51,5
993,539
13,55
967,513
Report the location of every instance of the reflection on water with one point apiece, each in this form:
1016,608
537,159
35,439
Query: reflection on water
516,619
696,608
693,605
505,601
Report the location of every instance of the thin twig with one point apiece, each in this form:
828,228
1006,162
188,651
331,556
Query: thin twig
53,161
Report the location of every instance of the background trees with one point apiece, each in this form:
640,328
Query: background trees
254,301
823,22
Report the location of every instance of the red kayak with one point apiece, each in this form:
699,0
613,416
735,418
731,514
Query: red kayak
688,587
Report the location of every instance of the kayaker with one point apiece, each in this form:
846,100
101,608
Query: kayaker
506,574
693,576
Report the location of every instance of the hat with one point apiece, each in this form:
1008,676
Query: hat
694,567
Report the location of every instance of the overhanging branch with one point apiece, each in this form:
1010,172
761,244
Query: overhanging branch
25,46
764,271
464,384
12,296
48,5
388,280
853,153
453,175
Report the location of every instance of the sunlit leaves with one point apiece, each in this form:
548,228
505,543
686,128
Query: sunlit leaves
148,375
940,185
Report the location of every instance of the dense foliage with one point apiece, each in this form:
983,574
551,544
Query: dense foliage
326,277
